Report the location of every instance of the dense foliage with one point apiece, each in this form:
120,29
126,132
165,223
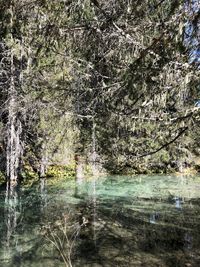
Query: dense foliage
114,79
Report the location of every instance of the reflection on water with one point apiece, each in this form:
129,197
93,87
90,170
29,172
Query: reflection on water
110,221
43,193
178,203
11,205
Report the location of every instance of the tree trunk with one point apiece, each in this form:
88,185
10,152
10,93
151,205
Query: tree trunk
14,148
14,127
79,168
43,161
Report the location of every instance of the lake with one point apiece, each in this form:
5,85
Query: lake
103,221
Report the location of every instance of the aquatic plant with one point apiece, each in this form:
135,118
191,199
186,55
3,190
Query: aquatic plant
62,234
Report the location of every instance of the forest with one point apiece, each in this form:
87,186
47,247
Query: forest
99,133
113,82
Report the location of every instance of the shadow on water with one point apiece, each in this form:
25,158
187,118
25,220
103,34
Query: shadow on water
111,221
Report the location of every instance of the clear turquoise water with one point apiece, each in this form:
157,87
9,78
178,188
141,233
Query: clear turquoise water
108,221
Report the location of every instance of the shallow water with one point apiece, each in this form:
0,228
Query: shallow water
108,221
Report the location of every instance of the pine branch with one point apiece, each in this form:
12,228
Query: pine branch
165,145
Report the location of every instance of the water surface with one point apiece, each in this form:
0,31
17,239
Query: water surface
108,221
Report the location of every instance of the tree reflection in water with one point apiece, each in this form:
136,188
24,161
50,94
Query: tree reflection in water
12,212
99,228
43,193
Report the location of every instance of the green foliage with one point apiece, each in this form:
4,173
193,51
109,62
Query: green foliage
119,65
61,172
2,177
29,177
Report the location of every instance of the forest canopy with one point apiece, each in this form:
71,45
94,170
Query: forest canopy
111,81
